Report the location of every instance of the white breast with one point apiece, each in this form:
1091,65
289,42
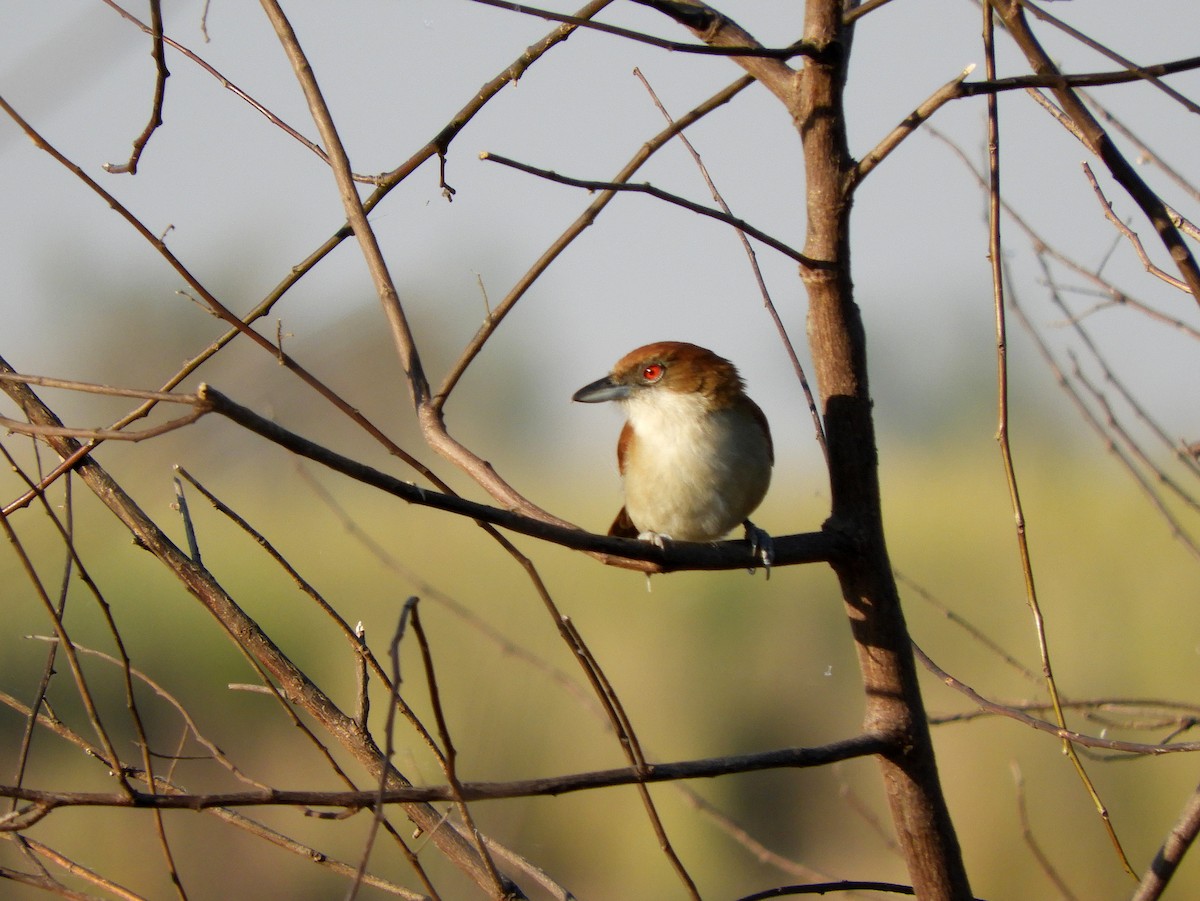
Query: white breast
692,474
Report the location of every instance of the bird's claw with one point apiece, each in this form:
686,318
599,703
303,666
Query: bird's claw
761,546
655,538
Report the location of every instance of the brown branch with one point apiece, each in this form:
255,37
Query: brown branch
1147,73
1067,735
1129,234
1157,876
822,888
1127,75
232,88
813,98
957,89
706,768
1154,714
718,30
853,11
647,149
808,547
951,90
160,90
25,428
1099,142
429,414
199,582
356,214
660,194
752,50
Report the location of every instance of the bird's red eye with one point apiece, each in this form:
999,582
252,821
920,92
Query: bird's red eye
653,372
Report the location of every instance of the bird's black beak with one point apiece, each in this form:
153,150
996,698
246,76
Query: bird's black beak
600,391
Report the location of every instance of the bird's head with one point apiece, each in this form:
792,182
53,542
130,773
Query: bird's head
651,372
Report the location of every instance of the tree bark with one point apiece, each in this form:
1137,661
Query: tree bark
838,344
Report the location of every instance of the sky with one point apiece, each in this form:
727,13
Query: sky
241,202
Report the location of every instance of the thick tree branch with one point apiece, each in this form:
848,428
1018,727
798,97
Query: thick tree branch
813,98
718,30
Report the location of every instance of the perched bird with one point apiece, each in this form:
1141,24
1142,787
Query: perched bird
695,453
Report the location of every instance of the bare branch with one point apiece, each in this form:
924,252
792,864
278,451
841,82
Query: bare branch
496,315
660,194
160,90
1129,233
718,30
809,547
1094,135
1066,735
220,604
751,50
951,90
705,768
156,32
768,303
1158,875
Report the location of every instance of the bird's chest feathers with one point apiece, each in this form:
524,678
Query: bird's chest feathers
690,471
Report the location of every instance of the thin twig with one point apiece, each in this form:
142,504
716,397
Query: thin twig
1148,73
1099,142
647,149
753,50
1066,735
229,86
658,193
996,257
768,303
1041,245
449,756
629,745
1031,842
951,90
1129,234
160,90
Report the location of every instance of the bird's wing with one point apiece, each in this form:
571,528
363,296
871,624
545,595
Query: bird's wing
623,526
623,445
758,414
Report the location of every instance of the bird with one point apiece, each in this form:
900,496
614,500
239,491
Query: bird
695,453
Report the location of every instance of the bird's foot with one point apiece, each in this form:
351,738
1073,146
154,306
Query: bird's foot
655,538
761,546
